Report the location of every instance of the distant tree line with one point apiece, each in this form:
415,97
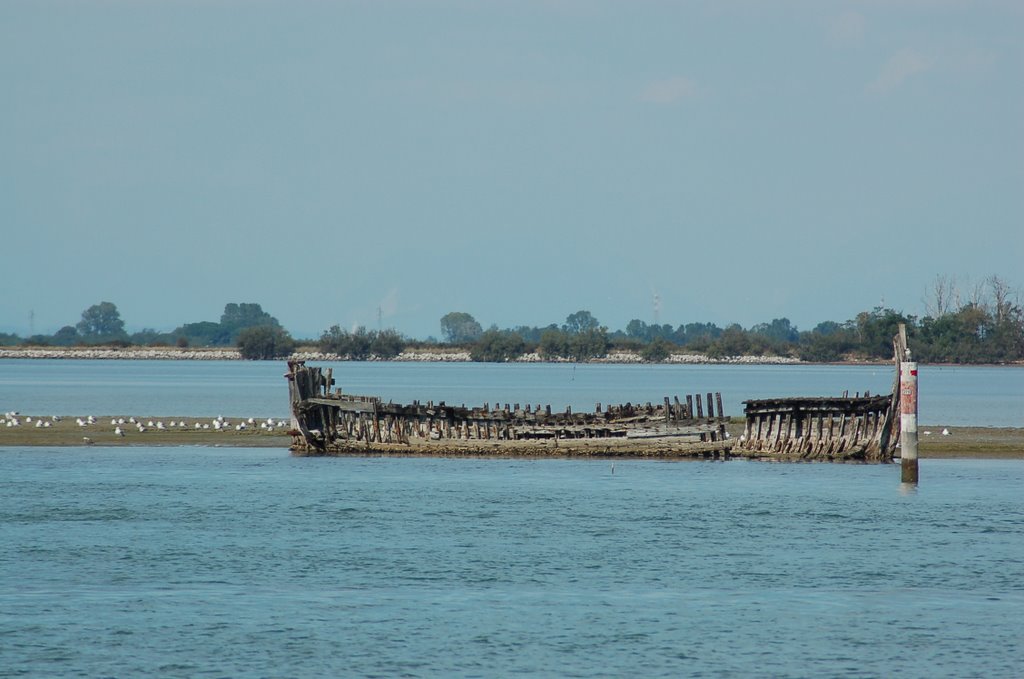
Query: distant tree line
247,326
982,325
361,344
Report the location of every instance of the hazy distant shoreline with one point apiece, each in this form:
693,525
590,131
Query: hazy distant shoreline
410,356
413,355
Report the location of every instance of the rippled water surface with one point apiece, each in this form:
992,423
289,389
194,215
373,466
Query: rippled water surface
251,563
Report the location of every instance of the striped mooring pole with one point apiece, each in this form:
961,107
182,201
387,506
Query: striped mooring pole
908,421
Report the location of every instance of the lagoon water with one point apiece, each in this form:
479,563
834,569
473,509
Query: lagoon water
184,562
250,563
954,396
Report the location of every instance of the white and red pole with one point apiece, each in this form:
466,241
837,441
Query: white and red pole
908,421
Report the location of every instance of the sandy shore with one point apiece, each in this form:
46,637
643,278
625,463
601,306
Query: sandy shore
972,442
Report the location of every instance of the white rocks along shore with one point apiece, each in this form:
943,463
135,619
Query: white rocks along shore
411,355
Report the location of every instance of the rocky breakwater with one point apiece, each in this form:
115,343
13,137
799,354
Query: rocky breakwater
410,356
629,357
127,353
732,360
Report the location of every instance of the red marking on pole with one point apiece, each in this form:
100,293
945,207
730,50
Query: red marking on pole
914,373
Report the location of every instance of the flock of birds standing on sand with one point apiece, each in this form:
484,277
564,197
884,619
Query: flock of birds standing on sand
13,419
123,425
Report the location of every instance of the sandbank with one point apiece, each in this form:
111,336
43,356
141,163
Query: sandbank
962,442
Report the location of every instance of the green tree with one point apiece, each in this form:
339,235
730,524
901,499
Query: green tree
237,317
459,327
246,315
149,336
66,336
875,330
779,330
637,329
265,342
332,340
554,343
591,343
101,322
532,335
579,346
734,341
828,342
203,334
828,328
700,334
354,345
580,322
656,350
961,337
387,343
496,346
361,343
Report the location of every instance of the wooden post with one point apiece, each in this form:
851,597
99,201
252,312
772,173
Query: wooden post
908,421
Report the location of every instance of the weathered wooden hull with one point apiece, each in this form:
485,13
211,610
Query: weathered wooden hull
329,422
825,428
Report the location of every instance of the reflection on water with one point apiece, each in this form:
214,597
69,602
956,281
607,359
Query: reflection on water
908,488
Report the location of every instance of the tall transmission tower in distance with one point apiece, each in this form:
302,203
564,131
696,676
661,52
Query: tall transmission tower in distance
657,309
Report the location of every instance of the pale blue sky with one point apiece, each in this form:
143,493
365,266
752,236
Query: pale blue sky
515,160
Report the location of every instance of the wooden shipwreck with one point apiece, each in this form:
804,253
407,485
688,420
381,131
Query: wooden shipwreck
820,428
327,421
865,428
857,428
